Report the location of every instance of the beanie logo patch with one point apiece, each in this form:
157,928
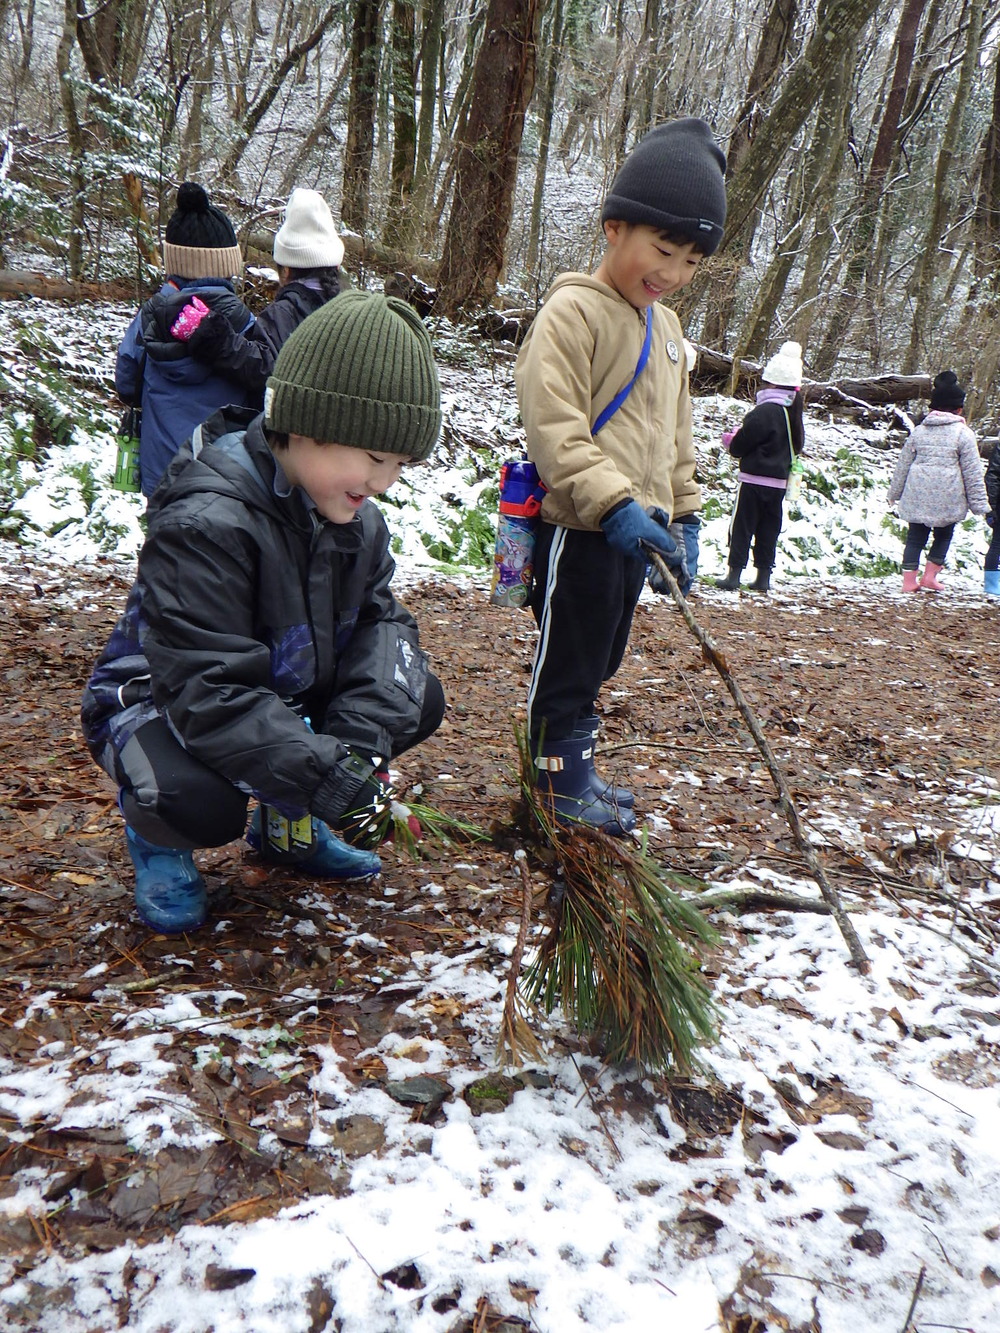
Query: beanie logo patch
673,351
268,402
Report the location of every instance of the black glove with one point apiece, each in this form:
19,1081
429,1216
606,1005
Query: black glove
367,819
990,519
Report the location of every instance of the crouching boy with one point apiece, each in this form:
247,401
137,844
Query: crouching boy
261,651
603,389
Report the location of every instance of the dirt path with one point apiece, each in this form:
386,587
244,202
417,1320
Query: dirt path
883,712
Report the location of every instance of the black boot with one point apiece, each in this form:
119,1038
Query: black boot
731,583
609,792
762,583
564,773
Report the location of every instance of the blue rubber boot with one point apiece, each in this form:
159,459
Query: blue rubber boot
170,895
991,582
565,772
330,858
606,791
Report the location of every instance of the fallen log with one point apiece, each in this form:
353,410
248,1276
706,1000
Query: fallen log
20,282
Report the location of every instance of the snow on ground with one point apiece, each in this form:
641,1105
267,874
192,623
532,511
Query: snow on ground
871,1162
599,1221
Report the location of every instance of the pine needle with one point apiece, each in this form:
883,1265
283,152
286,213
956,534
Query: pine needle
618,957
432,826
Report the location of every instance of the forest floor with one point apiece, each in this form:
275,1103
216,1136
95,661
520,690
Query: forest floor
882,710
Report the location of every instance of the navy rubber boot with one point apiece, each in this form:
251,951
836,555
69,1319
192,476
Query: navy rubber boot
564,772
609,792
170,895
330,858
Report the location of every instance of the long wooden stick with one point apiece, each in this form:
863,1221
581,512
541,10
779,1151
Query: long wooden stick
854,946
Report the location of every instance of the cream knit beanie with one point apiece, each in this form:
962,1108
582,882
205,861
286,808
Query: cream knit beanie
308,237
785,367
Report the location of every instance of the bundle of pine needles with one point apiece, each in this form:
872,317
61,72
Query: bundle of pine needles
619,954
411,822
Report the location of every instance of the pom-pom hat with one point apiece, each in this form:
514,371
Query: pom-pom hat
359,371
199,240
674,179
947,395
308,237
785,367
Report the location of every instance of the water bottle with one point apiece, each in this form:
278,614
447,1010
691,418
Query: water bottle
521,494
126,476
283,839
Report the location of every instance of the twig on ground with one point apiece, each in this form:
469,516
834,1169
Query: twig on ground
514,1031
908,1321
597,1110
854,946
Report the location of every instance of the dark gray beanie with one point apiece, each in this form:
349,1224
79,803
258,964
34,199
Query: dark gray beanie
359,371
947,395
674,179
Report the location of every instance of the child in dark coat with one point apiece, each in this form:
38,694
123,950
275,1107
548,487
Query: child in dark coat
262,651
179,383
766,445
991,576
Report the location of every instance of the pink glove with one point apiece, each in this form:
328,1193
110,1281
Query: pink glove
727,438
189,319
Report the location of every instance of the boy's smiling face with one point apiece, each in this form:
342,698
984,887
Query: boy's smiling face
642,265
337,477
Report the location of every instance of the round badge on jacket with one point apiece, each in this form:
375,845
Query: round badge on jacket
673,351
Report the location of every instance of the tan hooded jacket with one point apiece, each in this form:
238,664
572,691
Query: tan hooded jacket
581,350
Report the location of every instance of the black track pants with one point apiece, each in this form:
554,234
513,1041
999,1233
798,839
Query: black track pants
583,601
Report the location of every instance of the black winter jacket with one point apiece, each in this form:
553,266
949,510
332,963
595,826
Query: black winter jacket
762,443
256,352
992,480
248,607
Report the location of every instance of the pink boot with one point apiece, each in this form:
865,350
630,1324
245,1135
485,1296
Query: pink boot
910,583
929,583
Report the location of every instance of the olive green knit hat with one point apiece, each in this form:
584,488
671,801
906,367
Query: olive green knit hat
359,371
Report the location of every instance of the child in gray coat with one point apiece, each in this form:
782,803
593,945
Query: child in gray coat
938,479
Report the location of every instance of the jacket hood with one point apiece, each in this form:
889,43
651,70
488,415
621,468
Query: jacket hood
584,280
227,455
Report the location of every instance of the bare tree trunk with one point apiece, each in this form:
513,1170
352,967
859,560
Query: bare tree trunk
431,43
273,81
545,113
361,107
320,128
860,251
772,50
838,29
923,285
816,171
404,123
486,169
74,135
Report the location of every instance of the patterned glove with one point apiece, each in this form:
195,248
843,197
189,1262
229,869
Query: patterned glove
188,320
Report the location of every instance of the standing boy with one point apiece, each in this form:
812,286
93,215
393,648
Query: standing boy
262,651
608,477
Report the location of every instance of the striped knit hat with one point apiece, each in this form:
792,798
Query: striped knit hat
359,371
199,240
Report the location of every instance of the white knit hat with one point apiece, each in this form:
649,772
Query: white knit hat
785,367
307,238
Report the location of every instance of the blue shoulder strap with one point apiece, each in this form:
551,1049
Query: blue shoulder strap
619,398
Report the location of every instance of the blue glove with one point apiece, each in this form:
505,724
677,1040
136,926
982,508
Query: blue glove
630,529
